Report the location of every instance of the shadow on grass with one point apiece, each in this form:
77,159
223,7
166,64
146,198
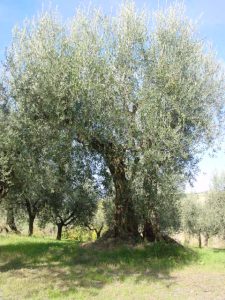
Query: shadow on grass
74,266
218,250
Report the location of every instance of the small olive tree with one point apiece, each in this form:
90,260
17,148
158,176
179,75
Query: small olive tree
98,221
192,218
69,208
199,218
70,191
216,202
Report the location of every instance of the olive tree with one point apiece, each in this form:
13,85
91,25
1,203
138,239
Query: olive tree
68,209
199,217
140,90
48,170
70,193
98,221
216,203
5,167
4,171
192,217
25,167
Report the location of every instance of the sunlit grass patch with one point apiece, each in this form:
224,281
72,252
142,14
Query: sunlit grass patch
36,268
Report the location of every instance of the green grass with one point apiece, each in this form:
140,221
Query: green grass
37,268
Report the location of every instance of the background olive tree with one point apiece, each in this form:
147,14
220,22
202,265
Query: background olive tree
216,203
193,218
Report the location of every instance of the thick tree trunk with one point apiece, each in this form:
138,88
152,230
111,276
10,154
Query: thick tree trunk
10,221
31,225
148,232
59,231
125,221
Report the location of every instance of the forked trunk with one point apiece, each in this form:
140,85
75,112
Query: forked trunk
98,234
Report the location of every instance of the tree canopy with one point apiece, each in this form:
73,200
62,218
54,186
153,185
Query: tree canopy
141,91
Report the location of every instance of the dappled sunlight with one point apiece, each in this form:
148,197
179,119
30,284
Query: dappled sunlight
65,269
72,265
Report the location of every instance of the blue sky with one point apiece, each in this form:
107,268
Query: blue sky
212,28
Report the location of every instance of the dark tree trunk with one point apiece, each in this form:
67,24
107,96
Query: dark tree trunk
98,234
148,232
59,231
31,217
199,240
125,220
10,221
3,189
31,225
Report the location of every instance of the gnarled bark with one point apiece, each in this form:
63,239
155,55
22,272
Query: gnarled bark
125,221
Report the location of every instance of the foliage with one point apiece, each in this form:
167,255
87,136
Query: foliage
109,211
142,98
216,203
159,202
199,217
73,205
79,234
98,221
192,215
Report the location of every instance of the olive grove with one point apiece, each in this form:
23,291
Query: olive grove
216,204
206,217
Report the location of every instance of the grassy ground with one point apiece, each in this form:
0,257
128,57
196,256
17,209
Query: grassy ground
34,268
